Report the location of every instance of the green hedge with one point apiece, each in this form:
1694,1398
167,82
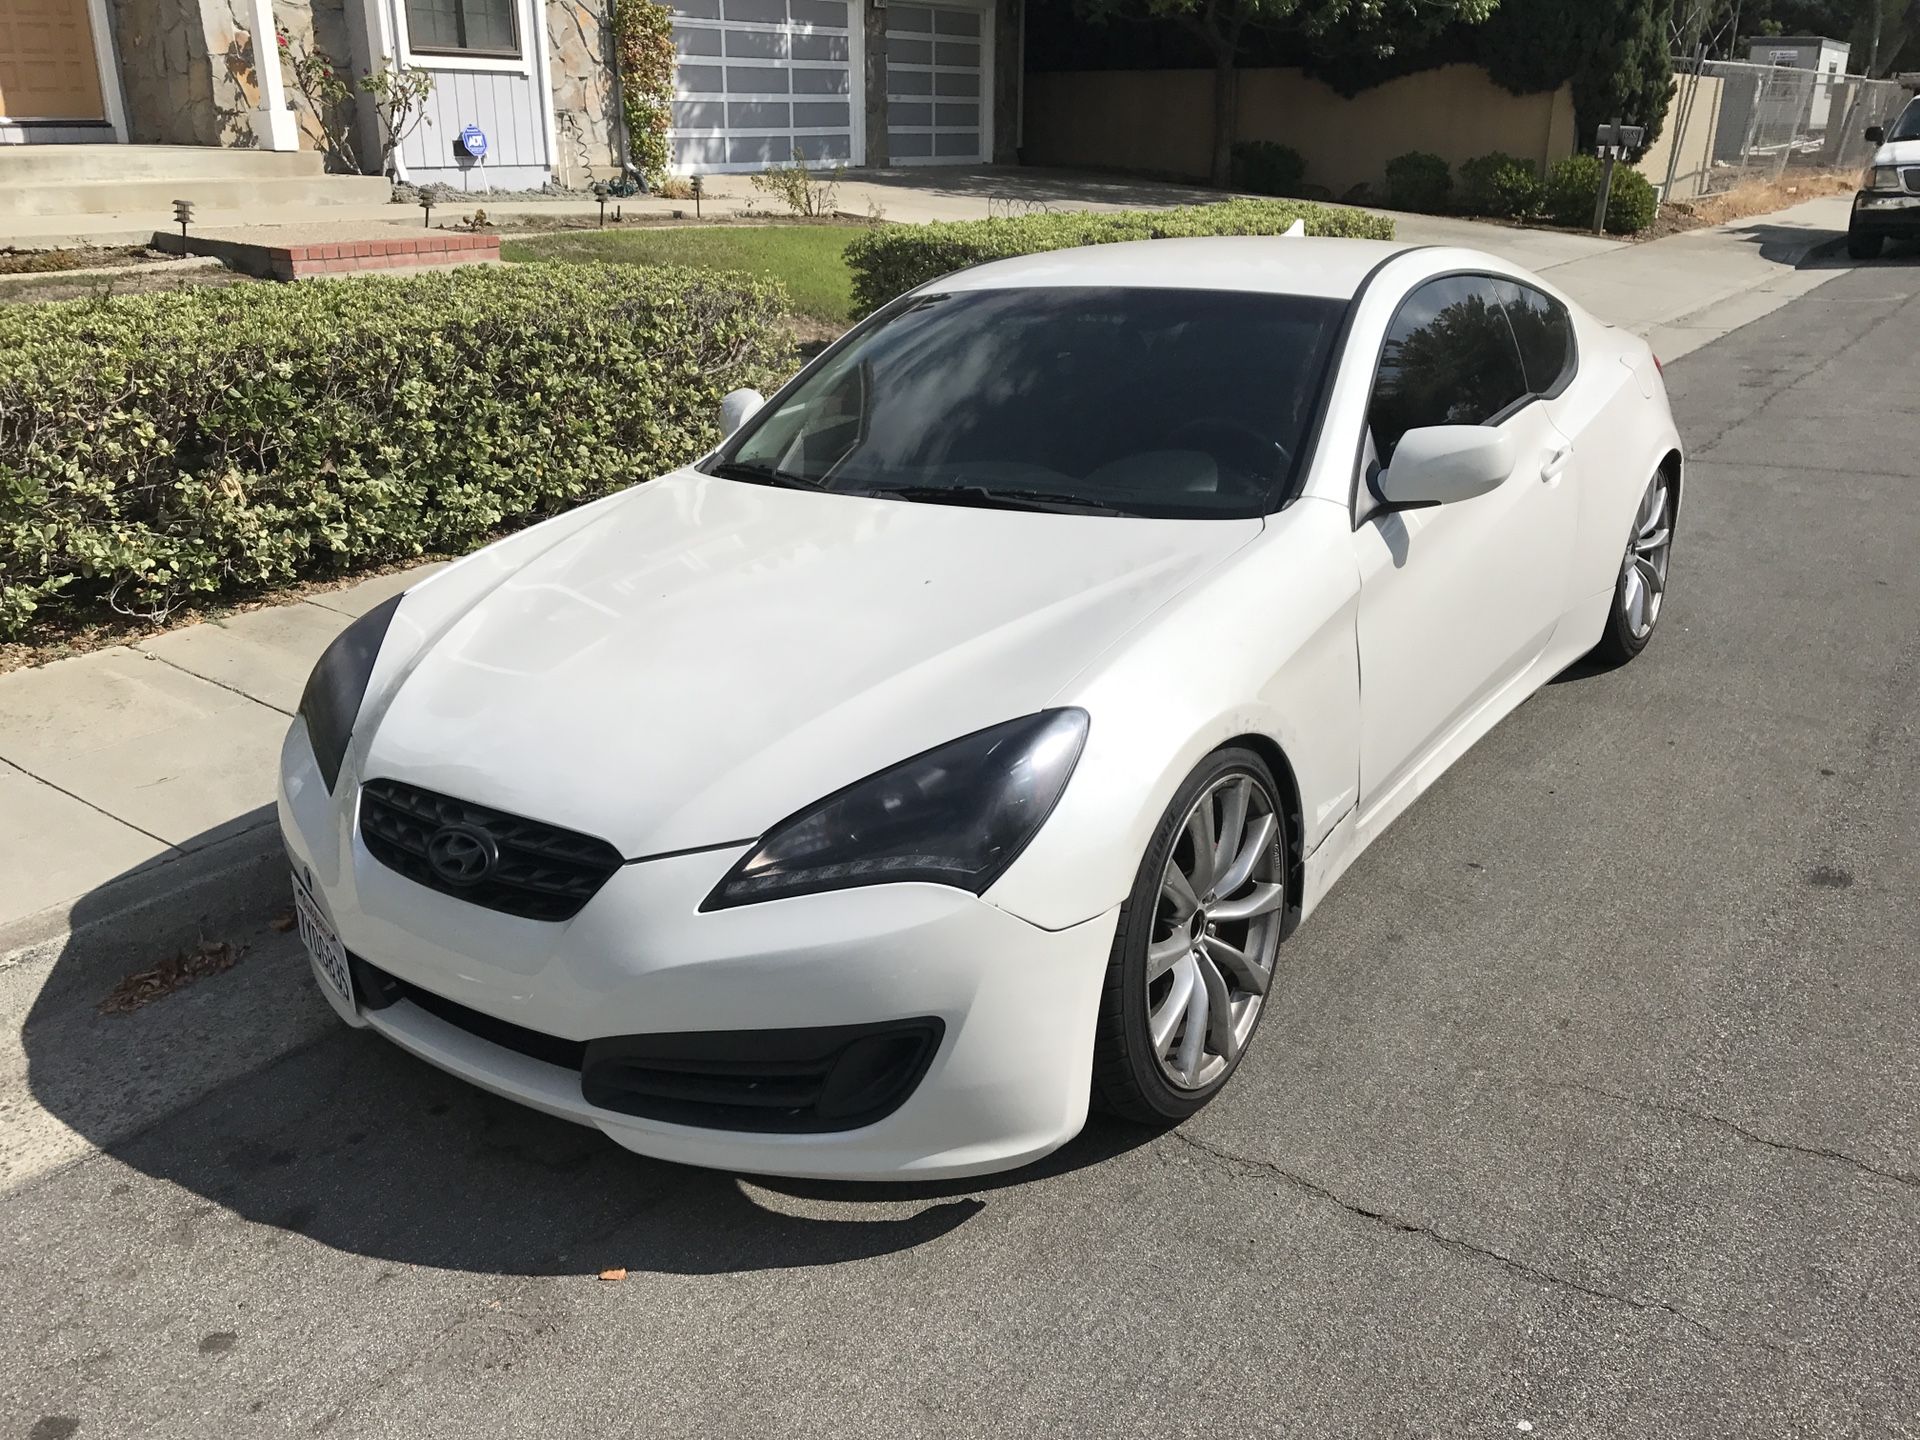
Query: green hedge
166,448
1573,188
889,260
1419,181
1268,168
1501,185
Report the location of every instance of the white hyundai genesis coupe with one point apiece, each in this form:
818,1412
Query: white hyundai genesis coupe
960,741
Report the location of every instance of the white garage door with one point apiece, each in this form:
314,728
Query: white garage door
760,81
936,85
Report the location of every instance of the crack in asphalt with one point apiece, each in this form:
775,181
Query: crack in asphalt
1734,1128
1703,450
1522,1268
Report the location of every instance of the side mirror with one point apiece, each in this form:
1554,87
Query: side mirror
1876,135
1443,463
736,408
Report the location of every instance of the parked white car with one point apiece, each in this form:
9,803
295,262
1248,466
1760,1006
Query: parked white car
965,735
1887,205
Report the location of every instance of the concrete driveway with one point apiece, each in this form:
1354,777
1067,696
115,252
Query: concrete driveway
1587,1106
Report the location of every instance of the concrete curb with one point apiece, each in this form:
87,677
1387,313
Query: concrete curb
139,919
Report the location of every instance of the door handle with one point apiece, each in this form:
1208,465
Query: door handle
1556,463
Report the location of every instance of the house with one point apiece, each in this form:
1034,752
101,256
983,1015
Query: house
857,82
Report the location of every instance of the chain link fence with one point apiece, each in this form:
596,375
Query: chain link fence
1731,123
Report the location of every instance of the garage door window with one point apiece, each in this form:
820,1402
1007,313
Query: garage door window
936,85
761,82
1449,359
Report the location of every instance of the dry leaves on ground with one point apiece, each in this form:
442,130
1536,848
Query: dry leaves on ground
618,1273
209,957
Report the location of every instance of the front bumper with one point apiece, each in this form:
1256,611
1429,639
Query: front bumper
1017,1004
1881,213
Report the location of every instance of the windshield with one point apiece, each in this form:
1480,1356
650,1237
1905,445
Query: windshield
1907,127
1130,401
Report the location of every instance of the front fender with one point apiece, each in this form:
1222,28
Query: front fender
1265,646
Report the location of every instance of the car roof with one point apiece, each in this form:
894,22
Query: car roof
1259,264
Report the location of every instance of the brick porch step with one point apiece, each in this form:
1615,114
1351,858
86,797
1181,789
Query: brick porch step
299,260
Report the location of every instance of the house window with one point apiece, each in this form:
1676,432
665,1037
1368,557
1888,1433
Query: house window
473,27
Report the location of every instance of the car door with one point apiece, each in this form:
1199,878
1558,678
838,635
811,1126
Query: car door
1456,600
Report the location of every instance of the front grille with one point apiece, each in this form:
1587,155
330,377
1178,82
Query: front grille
542,872
793,1081
1910,177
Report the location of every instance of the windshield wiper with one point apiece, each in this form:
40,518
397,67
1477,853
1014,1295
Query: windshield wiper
986,497
762,475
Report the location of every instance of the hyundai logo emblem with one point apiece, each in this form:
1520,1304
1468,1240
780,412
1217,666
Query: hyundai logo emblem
462,854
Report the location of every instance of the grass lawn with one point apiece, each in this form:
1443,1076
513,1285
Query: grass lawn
804,258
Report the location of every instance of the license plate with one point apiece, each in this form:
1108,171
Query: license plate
328,954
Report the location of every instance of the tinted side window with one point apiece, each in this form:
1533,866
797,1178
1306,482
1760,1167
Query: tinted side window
1544,331
1449,360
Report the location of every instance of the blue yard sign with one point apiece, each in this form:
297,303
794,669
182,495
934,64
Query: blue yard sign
474,141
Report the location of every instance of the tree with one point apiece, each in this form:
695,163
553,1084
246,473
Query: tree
1613,52
1330,28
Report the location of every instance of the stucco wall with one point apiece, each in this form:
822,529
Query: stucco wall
1160,121
1695,163
586,101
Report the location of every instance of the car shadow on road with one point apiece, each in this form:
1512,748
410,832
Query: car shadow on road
340,1137
1833,255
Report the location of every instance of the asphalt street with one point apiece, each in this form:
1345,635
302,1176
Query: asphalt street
1586,1107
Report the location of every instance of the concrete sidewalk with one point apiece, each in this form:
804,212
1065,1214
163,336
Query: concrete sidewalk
137,769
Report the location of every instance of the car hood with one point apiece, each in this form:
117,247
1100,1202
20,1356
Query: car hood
1898,152
705,657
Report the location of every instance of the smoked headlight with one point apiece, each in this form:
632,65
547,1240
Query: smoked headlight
956,815
338,685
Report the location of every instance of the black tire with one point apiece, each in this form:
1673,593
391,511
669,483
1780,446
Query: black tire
1127,1079
1864,246
1620,641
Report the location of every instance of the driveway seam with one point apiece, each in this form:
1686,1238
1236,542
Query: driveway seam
98,810
139,648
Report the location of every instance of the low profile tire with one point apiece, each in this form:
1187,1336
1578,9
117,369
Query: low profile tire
1862,246
1194,955
1642,586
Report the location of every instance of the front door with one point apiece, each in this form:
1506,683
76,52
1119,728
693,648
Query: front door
47,65
1456,600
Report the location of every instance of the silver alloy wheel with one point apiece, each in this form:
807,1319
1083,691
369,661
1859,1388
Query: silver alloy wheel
1216,931
1643,573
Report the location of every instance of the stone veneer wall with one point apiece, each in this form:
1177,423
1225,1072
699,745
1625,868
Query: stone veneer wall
586,96
189,65
167,64
319,27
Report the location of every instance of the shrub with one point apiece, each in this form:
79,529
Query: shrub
810,194
890,260
186,445
1267,168
1501,185
1418,181
1573,187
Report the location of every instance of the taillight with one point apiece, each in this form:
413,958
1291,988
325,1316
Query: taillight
1659,367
